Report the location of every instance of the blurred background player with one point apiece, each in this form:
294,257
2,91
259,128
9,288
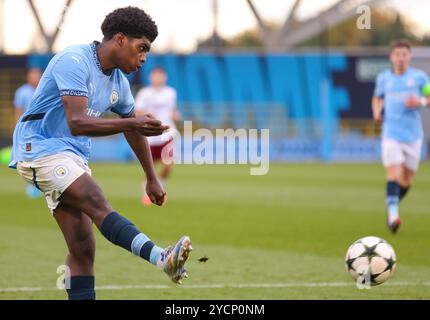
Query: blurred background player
398,96
21,101
159,99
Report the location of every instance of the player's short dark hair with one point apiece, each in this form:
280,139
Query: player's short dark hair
400,43
131,21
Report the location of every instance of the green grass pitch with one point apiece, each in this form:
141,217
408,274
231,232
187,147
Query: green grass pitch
279,236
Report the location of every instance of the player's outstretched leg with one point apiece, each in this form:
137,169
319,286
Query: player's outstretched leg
85,194
172,259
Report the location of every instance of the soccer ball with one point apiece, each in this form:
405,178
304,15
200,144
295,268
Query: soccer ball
370,260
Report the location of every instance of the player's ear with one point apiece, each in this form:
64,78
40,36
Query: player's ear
120,38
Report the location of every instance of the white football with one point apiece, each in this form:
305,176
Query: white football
370,260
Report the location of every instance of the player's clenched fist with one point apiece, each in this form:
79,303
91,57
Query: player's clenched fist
155,191
147,125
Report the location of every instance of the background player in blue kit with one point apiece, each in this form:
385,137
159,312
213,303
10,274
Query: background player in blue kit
398,96
22,99
51,145
25,92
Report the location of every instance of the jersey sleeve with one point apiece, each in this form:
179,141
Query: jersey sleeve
71,73
125,106
379,86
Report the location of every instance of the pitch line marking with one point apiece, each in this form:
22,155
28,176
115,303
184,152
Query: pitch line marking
220,286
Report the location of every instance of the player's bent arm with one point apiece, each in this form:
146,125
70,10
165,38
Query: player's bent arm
81,124
377,105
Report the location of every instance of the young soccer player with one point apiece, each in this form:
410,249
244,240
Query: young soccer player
51,145
396,102
21,102
25,92
159,99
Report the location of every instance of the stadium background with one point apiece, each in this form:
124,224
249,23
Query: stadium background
253,90
271,219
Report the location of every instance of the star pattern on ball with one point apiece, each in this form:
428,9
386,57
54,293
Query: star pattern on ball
360,261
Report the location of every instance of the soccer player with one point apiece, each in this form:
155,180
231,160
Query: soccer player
159,99
52,145
25,92
21,101
396,103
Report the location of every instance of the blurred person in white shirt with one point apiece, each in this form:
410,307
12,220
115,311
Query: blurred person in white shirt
159,99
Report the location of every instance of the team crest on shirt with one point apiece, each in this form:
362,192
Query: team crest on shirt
61,171
114,97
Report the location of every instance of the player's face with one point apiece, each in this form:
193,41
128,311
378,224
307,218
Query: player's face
158,78
132,53
400,58
33,77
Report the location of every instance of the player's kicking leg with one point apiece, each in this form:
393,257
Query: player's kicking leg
70,191
78,233
85,195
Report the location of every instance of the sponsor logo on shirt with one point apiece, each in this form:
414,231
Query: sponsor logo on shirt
93,113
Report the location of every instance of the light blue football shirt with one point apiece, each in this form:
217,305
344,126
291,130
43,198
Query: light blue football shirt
400,122
43,130
23,96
